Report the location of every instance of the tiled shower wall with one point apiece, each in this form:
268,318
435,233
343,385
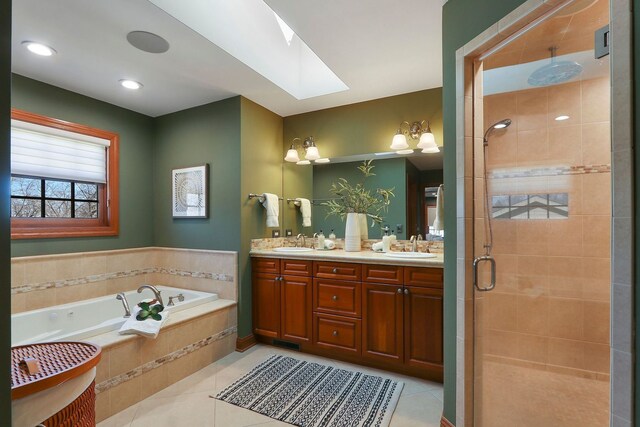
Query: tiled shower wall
550,308
43,281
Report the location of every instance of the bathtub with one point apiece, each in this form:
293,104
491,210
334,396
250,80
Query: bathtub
80,320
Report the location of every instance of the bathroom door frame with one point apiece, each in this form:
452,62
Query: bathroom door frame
622,229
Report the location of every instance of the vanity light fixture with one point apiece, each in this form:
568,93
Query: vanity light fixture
39,48
130,84
310,149
415,130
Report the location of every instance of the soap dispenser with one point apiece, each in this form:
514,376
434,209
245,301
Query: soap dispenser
393,238
332,235
320,241
386,241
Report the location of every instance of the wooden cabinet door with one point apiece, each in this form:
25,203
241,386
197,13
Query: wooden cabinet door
423,328
296,308
382,322
266,304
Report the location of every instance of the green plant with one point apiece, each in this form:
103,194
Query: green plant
147,310
357,198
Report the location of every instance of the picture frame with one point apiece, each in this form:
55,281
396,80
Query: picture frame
190,191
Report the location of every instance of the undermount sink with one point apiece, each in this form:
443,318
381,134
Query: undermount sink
292,249
409,255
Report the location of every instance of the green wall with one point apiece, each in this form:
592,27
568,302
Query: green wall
636,130
390,173
462,20
261,166
5,173
205,134
136,148
362,128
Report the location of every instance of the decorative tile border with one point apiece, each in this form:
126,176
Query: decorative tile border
435,246
552,171
149,366
117,275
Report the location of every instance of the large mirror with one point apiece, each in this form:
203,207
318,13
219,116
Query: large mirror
415,179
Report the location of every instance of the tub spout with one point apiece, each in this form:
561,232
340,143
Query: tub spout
155,291
127,311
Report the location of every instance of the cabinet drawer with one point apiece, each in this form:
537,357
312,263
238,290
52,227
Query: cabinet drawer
422,276
337,333
390,274
265,265
295,267
337,270
336,297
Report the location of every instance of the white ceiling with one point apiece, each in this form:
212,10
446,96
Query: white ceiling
378,48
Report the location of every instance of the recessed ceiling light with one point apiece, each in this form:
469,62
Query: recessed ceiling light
561,118
39,48
130,84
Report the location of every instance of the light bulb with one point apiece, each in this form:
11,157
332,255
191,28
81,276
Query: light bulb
292,156
39,48
130,84
399,142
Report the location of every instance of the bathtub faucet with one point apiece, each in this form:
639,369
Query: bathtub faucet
122,297
179,297
155,291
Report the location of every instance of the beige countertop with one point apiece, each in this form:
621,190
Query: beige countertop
366,257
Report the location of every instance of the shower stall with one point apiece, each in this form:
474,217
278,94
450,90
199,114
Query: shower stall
537,224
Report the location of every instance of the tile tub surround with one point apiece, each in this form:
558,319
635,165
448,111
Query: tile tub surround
133,367
47,280
436,247
187,403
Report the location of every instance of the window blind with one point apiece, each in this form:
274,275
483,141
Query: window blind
48,152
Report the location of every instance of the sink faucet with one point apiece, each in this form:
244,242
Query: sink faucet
122,297
153,289
414,242
304,242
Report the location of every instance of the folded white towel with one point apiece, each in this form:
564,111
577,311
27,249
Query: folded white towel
147,328
329,244
271,203
438,222
377,246
305,211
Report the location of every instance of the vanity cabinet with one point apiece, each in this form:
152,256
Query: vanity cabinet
386,316
282,298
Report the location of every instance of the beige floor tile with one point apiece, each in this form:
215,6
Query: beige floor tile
187,402
417,410
195,409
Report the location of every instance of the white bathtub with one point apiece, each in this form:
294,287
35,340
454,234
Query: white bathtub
83,319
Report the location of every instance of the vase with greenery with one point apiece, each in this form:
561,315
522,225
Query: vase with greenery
350,200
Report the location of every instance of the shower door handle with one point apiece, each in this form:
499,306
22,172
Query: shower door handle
476,265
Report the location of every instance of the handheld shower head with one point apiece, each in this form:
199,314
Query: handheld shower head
502,124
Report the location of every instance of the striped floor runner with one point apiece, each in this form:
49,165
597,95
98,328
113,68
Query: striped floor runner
313,395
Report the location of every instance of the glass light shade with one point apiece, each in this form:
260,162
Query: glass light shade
426,140
39,48
323,160
303,162
292,155
399,142
430,150
409,151
312,153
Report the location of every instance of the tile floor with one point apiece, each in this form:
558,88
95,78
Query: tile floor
187,402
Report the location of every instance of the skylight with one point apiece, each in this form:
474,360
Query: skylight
252,32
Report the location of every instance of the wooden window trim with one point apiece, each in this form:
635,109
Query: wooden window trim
109,207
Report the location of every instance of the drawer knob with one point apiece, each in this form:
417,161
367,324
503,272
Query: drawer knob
335,271
335,297
399,290
406,291
335,333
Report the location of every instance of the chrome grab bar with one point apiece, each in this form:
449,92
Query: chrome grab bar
476,264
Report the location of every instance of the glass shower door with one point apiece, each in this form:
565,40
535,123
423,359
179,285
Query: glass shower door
541,337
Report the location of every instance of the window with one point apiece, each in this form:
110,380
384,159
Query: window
531,206
64,178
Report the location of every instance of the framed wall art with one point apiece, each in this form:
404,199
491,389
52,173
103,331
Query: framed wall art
190,192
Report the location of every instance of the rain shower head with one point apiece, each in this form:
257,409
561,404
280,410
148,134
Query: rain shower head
556,72
504,123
